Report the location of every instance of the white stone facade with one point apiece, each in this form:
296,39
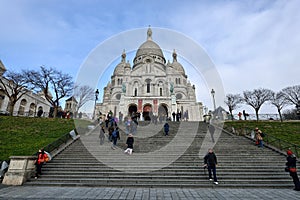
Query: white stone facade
151,86
28,105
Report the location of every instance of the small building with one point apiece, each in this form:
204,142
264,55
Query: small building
71,105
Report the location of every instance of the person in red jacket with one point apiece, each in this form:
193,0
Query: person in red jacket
42,157
292,168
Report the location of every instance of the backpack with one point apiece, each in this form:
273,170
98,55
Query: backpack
114,133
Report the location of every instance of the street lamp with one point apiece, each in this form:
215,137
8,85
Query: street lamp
213,96
205,110
96,98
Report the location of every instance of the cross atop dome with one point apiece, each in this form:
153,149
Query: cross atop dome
123,56
149,33
174,56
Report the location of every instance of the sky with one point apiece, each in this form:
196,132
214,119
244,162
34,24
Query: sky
252,44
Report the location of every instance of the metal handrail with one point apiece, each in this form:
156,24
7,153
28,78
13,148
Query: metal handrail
57,143
278,143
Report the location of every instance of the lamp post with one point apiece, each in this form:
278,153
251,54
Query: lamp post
96,98
205,110
213,96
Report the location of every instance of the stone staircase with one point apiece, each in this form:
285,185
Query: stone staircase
165,161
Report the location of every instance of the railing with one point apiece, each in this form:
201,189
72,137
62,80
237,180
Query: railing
57,143
278,143
282,144
260,117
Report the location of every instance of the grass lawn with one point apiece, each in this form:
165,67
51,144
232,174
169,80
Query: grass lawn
288,130
25,135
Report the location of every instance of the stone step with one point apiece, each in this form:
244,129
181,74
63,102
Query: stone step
241,163
165,182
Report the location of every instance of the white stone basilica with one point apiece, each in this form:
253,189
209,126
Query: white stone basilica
151,86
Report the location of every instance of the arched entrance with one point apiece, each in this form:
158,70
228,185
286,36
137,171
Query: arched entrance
22,107
132,108
147,112
32,108
163,111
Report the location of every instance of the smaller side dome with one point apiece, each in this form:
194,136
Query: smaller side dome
120,67
176,65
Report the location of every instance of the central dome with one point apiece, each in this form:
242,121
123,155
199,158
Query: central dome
149,47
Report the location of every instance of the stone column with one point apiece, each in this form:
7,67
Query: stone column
20,169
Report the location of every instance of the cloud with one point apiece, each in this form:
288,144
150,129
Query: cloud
252,43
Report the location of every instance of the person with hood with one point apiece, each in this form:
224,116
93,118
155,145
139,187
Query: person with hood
291,167
166,128
129,143
210,161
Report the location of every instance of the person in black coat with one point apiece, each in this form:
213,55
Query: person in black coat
210,161
291,167
129,143
166,128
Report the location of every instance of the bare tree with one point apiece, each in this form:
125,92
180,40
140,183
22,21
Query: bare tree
48,80
233,101
83,94
279,101
257,98
292,94
14,86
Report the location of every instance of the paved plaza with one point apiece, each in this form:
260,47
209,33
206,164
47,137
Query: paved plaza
29,192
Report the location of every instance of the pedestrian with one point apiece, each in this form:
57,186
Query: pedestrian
110,131
166,128
42,157
210,161
245,114
211,129
128,125
240,115
115,137
259,138
292,168
129,143
173,115
102,135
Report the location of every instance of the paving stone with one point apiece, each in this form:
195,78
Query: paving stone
26,193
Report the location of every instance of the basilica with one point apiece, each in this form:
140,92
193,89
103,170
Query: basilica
152,86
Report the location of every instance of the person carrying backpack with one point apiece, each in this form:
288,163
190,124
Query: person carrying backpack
115,137
292,168
259,138
42,157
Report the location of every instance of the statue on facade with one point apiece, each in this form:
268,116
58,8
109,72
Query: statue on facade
171,88
123,88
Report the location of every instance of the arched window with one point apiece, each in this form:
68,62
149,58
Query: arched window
160,92
179,81
2,97
32,108
148,81
22,107
148,87
135,92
